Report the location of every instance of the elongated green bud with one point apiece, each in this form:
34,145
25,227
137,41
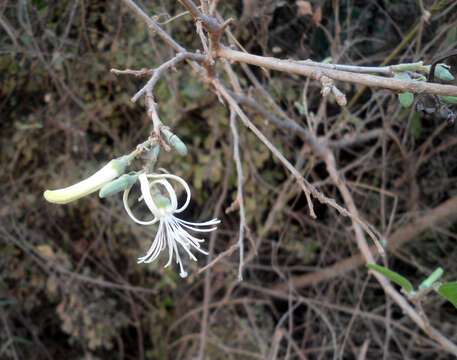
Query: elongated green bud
87,186
435,276
122,183
175,142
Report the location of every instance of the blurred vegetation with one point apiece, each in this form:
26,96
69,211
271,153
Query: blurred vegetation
70,286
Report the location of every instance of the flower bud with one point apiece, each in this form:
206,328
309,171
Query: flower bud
122,183
175,142
442,72
87,186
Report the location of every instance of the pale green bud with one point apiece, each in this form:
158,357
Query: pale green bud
442,72
175,142
435,276
122,183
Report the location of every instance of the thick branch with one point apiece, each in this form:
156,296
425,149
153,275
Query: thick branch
313,72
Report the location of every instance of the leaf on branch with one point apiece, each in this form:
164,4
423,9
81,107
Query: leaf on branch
406,99
449,291
393,276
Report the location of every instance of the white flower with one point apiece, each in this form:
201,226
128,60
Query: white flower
171,231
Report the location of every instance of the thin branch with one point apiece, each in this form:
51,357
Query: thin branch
208,274
239,197
157,73
213,262
307,188
155,28
209,23
153,25
137,73
387,70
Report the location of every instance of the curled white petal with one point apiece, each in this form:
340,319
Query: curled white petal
130,213
146,191
170,190
178,179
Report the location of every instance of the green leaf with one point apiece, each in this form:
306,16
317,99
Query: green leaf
327,60
21,126
406,99
402,76
393,276
449,99
449,291
299,107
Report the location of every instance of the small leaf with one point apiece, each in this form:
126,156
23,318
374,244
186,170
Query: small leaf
300,108
406,99
327,60
449,291
392,275
402,75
